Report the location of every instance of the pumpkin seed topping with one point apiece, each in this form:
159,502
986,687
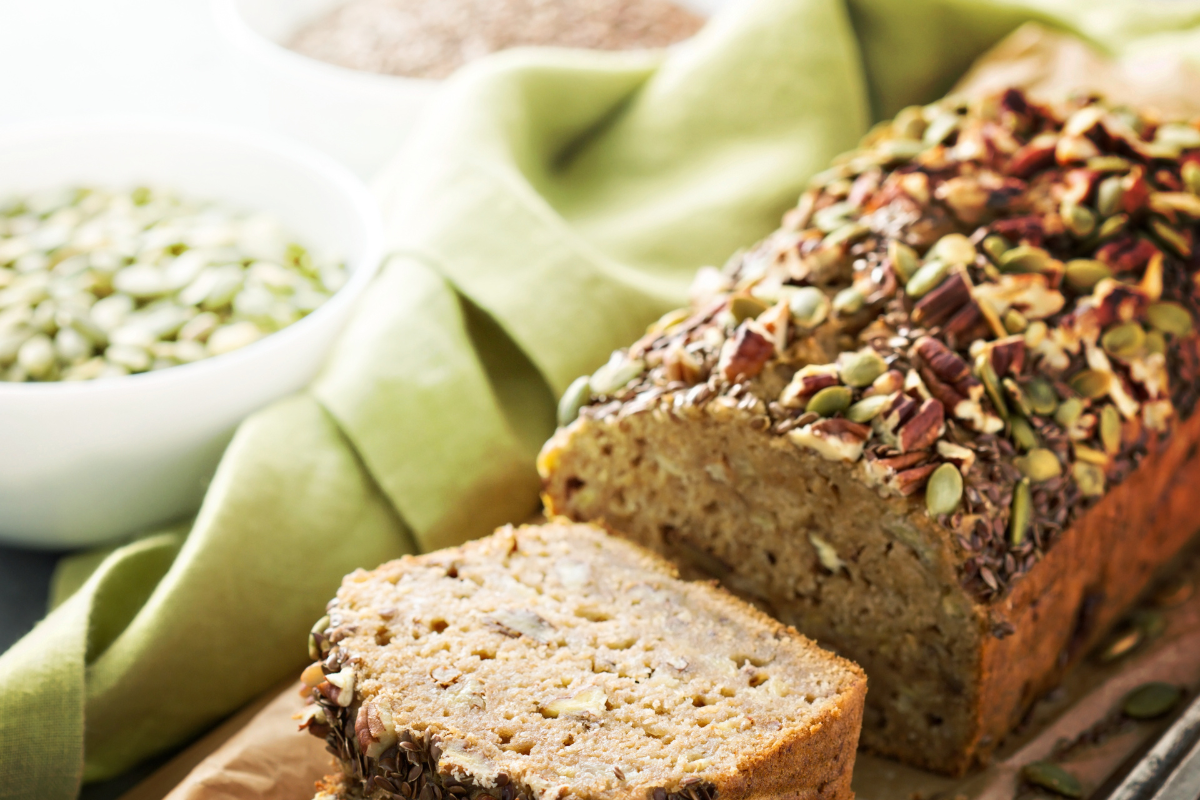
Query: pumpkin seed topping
944,490
829,401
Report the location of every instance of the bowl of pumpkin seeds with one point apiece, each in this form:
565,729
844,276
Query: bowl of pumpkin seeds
159,282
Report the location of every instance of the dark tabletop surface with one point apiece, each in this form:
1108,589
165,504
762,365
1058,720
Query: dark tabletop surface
24,591
24,588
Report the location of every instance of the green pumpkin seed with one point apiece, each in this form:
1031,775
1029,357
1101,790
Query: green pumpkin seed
1177,134
868,408
1014,321
1091,383
905,262
1156,343
1171,237
1151,700
616,374
1021,513
940,127
832,217
944,490
745,307
1108,164
991,383
1023,434
1124,341
1170,318
829,401
1191,177
1079,220
954,249
995,247
847,233
891,151
861,368
1089,478
1083,274
1110,430
1041,397
1038,465
809,306
1109,196
848,301
909,123
1111,227
1018,397
577,395
1053,777
1025,258
319,627
926,279
1069,412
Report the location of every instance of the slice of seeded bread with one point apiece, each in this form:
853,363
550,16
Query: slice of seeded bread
557,660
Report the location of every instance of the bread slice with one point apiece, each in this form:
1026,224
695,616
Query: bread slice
558,660
942,420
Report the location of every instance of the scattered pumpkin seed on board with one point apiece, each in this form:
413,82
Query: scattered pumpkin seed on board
1051,776
1151,700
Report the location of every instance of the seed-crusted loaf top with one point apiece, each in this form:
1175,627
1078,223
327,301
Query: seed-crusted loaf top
558,658
987,308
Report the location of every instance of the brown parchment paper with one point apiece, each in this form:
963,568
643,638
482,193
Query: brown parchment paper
259,754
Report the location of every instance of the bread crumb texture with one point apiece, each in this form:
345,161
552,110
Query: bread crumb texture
554,660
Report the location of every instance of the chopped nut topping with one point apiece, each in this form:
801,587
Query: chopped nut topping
1012,295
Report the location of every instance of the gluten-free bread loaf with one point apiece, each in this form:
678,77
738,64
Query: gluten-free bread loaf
942,420
554,661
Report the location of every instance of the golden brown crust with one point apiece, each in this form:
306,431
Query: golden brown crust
1063,606
985,316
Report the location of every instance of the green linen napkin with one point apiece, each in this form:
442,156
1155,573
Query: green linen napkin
551,206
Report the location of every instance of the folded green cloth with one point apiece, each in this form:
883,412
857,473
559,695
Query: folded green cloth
552,205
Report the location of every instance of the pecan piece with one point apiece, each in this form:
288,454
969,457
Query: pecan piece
913,480
941,360
1008,355
942,303
745,355
924,428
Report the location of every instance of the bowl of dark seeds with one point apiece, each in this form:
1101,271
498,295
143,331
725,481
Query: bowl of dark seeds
353,76
158,283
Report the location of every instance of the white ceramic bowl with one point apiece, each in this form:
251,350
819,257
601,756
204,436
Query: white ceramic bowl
82,463
359,118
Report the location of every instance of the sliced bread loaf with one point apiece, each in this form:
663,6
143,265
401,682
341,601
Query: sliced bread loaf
557,660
